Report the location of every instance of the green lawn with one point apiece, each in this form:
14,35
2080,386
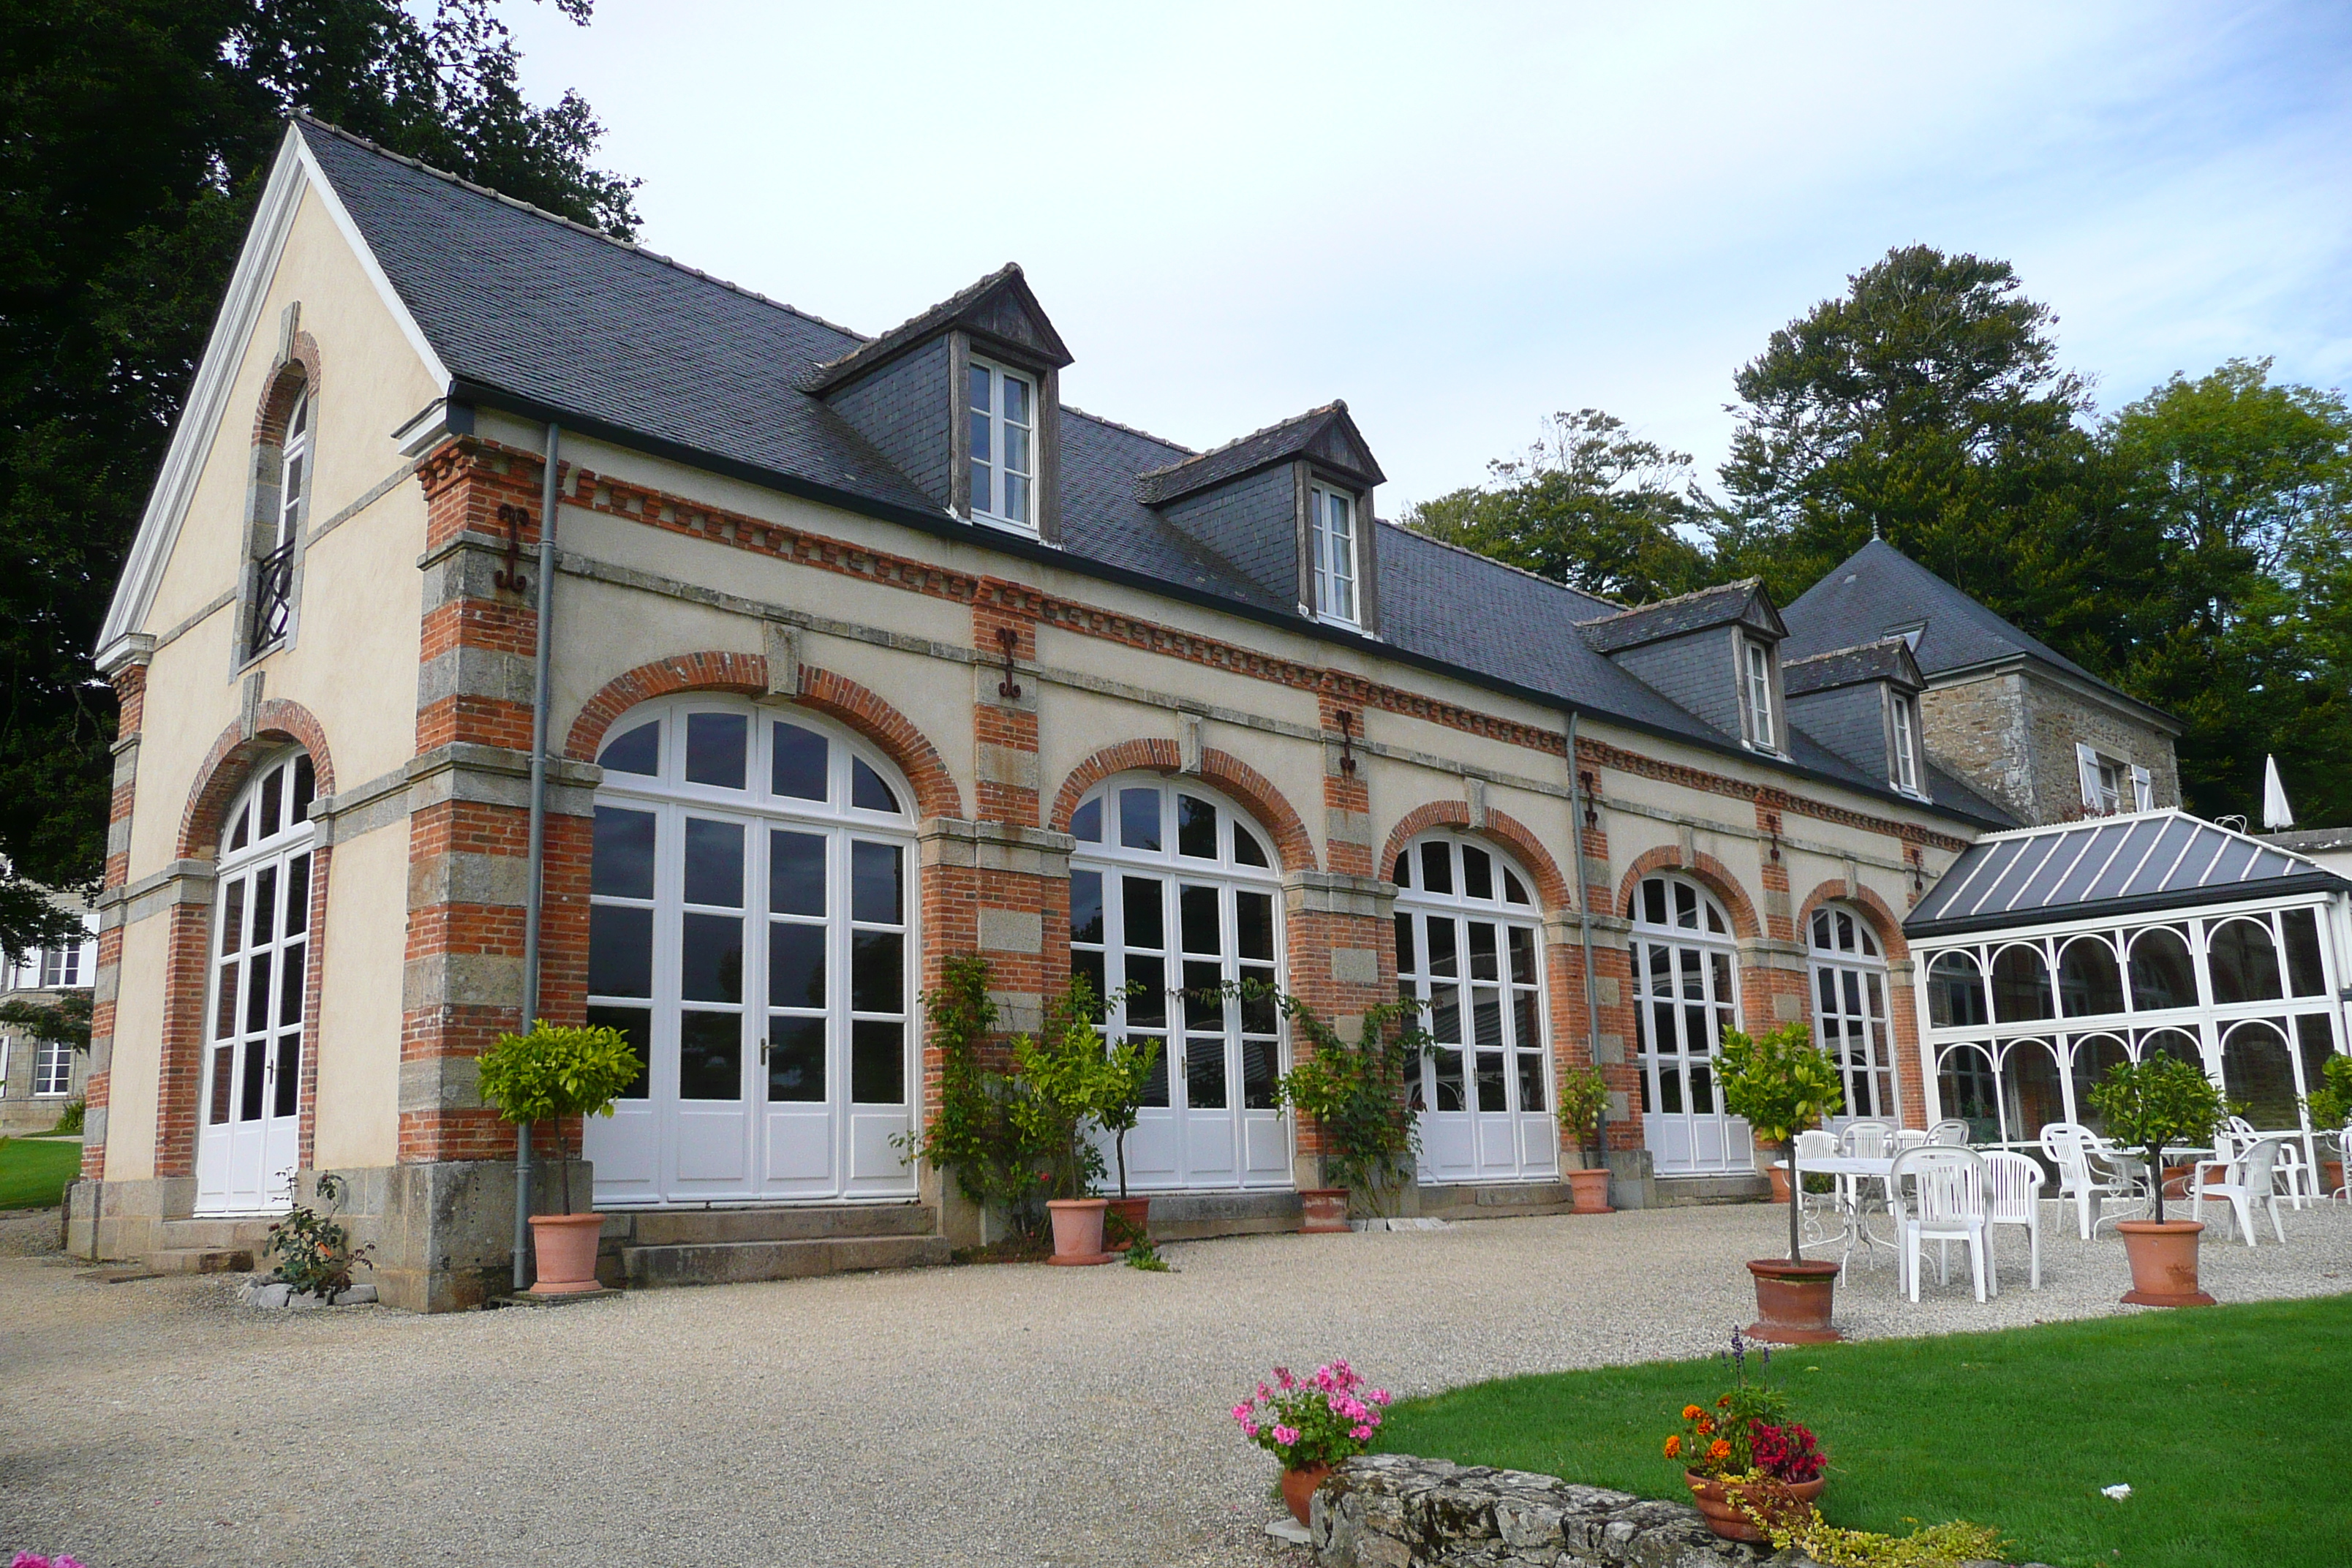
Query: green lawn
2227,1422
33,1176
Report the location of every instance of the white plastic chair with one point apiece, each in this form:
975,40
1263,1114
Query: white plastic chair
1814,1210
2301,1182
2070,1145
2343,1195
1951,1133
1867,1139
1947,1204
1907,1138
2015,1183
2248,1180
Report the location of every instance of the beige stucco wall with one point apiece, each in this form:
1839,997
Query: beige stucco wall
358,1048
137,1042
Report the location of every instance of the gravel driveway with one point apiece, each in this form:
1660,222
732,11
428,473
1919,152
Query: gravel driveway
1013,1415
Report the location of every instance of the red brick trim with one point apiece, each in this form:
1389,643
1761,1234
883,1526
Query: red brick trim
1506,832
300,369
835,695
1221,770
1708,872
230,762
1885,924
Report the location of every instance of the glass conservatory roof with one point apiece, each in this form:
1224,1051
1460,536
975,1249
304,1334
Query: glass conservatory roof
2108,866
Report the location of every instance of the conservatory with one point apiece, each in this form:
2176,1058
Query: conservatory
2050,955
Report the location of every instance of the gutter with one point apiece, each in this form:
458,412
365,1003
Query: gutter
535,890
1576,804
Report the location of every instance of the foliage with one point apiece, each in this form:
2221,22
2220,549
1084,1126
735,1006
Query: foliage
1356,1091
2156,1102
964,1134
1747,1431
71,1117
1316,1420
1590,505
134,135
64,1018
1781,1082
2331,1103
1126,1079
557,1071
34,1560
314,1250
1789,1522
1061,1077
1141,1254
1583,1099
35,1173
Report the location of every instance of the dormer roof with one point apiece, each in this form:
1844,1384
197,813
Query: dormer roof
999,311
1888,660
1743,603
1325,436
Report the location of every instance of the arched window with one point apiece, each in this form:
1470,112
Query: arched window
2021,985
1470,945
2243,962
2161,973
2258,1075
278,530
1967,1089
1685,993
248,1139
1176,918
2090,982
1850,1018
2094,1055
1956,993
2177,1043
2032,1092
752,931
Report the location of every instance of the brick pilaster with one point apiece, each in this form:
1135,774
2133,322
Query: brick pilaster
131,714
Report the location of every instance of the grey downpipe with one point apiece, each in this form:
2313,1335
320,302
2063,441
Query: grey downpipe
1576,804
534,897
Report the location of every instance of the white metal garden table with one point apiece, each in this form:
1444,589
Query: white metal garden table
1852,1171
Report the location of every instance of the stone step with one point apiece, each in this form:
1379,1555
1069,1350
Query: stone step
201,1261
716,1227
1675,1192
1496,1200
729,1263
1192,1216
250,1232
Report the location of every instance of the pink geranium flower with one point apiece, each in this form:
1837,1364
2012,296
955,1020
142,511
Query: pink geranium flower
1285,1435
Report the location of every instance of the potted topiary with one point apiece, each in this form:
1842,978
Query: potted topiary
2148,1105
1060,1078
1355,1090
1130,1065
554,1072
1583,1101
1783,1084
2330,1106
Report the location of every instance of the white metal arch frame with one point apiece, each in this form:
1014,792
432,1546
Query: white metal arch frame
753,930
1469,944
1175,910
1851,1020
1685,994
248,1128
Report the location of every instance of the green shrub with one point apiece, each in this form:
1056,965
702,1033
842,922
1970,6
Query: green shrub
557,1071
314,1251
69,1120
1356,1091
2157,1101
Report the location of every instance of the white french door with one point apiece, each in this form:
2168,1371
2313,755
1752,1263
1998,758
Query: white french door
1685,993
1850,1017
752,933
248,1137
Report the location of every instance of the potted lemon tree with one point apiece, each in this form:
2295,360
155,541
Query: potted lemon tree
1784,1084
2151,1105
1583,1101
551,1074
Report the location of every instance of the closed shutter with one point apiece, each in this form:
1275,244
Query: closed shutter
2143,790
2086,765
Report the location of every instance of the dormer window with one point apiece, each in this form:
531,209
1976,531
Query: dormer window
1756,694
1906,725
1332,515
1003,419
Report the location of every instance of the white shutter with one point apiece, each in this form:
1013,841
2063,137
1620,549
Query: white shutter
2143,790
2086,765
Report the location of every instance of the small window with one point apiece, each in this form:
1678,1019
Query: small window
274,572
1757,693
53,1068
1906,746
1004,422
2110,784
1332,514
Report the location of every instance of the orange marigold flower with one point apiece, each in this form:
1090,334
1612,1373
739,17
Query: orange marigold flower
1674,1446
1692,1413
1723,1403
1705,1426
1719,1450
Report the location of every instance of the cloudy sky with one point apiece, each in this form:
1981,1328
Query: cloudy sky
1460,217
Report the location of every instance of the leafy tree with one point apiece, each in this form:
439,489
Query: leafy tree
134,138
1590,505
62,1020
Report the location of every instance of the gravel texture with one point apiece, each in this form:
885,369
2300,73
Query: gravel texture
1015,1415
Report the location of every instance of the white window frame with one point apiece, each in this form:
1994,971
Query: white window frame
1904,720
52,1069
1756,693
988,500
2104,780
293,469
1330,582
1852,1000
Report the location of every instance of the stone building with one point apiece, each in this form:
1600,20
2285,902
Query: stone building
863,653
39,1077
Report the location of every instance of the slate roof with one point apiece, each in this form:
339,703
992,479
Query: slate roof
1286,438
1662,618
1888,660
2105,867
553,319
878,350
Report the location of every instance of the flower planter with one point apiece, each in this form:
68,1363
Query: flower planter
1715,1500
2331,1177
1794,1301
1298,1487
1078,1231
1779,1174
1767,1158
2163,1262
1323,1211
1136,1212
1591,1188
566,1245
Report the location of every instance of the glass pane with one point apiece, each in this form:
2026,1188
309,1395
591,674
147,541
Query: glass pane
271,802
224,1084
1196,829
2089,981
1196,919
1445,1012
795,966
224,1004
1205,1074
1702,1088
1139,818
714,749
868,792
1484,961
1085,823
1513,888
981,389
2244,963
1486,1014
1146,999
1016,401
257,994
1155,1082
1492,1094
636,1026
1205,1002
1254,915
714,863
796,1060
249,1098
983,497
638,752
1140,907
1247,850
1088,967
877,1063
291,975
2161,975
1016,487
796,873
1085,907
1531,1081
1670,1087
265,905
237,834
1525,1028
1260,1068
1436,867
1477,873
2258,1076
798,766
298,895
1401,872
1522,941
1446,1067
2306,977
710,1056
232,925
876,883
711,958
1956,993
2315,1037
1404,948
286,1083
1260,1016
878,972
306,789
1654,902
2020,985
1442,935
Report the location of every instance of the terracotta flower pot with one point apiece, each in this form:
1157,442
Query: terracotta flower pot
1078,1231
1779,1174
2163,1262
1715,1500
566,1245
1591,1188
1136,1212
1298,1487
2331,1176
1794,1301
1322,1211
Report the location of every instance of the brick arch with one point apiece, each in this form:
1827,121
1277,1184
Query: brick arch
1504,830
1885,924
1707,871
1221,770
230,762
746,674
300,369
